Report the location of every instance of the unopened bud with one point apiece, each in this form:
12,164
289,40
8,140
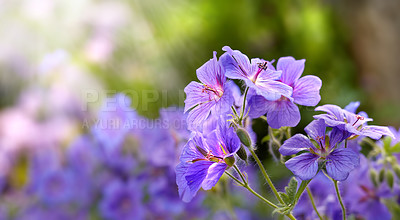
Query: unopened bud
382,175
244,137
242,153
374,177
230,161
390,179
396,169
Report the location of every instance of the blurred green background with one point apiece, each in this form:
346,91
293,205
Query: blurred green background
150,49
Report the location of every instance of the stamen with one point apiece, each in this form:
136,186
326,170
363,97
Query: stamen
359,117
263,66
319,139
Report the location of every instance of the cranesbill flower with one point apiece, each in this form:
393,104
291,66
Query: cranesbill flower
351,123
325,199
162,143
203,162
338,161
255,74
284,111
122,201
115,121
212,95
364,199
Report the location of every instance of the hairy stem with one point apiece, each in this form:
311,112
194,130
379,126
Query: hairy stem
245,185
241,175
243,105
313,203
340,199
251,190
264,172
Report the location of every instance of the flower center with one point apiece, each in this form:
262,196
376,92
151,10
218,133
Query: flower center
369,194
217,93
261,67
208,156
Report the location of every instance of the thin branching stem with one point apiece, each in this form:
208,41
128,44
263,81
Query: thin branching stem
313,203
264,173
340,199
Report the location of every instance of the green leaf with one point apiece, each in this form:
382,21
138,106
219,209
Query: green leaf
291,189
285,198
283,209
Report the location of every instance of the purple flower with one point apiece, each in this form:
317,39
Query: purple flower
351,123
212,95
163,144
325,199
284,111
362,197
56,187
122,201
396,135
115,121
338,161
256,74
204,161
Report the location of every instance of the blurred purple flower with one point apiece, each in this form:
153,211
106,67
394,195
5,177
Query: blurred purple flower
212,95
116,119
338,161
396,135
163,143
257,75
56,187
203,162
325,199
351,123
122,201
363,198
284,111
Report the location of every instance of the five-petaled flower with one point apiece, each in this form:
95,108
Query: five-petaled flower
338,161
212,95
350,123
203,161
284,111
256,74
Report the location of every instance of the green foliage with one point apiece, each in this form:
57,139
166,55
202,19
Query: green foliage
288,197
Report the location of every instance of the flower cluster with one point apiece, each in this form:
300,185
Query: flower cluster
220,121
124,166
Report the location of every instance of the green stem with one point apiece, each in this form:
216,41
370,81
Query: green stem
241,175
243,105
313,203
345,143
301,189
245,185
288,132
234,112
251,190
273,138
340,199
264,172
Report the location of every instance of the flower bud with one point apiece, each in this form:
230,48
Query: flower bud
381,175
374,177
230,161
390,179
396,169
242,153
244,137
